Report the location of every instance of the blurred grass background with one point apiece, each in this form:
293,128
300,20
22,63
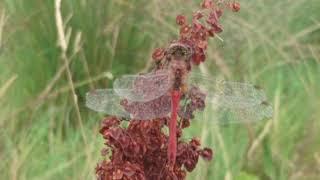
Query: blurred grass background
275,44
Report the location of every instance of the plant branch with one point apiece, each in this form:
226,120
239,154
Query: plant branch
63,44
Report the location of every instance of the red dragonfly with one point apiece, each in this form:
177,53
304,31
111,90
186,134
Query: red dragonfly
168,90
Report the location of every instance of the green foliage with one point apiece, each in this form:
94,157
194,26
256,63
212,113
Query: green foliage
246,176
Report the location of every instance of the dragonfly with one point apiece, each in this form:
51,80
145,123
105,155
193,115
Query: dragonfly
163,93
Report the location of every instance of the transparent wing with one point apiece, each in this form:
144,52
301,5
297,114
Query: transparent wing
231,102
233,114
106,101
143,88
157,108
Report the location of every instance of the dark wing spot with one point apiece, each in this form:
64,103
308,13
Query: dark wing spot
257,87
265,103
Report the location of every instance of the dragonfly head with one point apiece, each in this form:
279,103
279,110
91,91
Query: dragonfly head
179,51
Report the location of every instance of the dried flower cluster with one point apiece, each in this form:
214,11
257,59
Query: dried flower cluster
139,151
195,102
204,24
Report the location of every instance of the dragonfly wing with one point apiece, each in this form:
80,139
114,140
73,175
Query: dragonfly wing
224,114
106,101
157,108
143,88
232,101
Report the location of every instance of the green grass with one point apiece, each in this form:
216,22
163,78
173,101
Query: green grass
271,43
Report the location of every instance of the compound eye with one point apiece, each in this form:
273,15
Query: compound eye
181,53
